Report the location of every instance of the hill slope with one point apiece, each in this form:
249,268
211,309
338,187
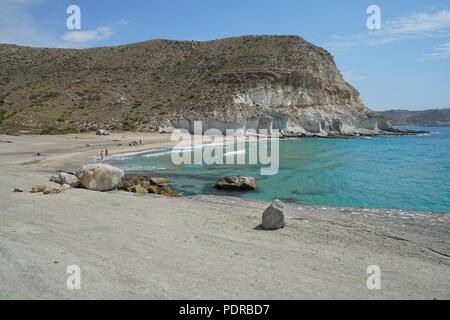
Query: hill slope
425,118
279,82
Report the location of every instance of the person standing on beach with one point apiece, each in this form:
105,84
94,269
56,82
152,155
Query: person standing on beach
101,155
106,153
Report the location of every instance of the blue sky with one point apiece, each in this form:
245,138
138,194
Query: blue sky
404,65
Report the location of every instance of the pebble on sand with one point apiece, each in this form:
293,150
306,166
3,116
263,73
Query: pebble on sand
38,188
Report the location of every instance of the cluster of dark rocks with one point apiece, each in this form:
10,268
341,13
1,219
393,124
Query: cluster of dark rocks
145,184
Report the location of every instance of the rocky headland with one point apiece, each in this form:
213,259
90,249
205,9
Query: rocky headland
421,118
252,82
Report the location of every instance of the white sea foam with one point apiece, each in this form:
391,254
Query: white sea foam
232,153
141,168
121,156
165,151
157,154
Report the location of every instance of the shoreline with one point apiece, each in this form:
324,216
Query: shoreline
168,148
151,142
199,247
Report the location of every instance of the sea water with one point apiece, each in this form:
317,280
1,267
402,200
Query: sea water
398,172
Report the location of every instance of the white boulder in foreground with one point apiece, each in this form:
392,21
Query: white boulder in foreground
66,178
273,216
99,177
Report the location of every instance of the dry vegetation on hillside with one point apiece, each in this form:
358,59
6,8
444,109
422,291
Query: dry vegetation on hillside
141,85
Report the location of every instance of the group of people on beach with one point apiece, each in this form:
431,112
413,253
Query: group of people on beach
105,153
135,143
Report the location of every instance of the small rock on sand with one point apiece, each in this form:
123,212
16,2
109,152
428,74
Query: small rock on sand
18,190
38,188
66,178
66,186
53,190
273,216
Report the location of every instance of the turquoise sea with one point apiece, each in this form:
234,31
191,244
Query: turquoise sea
403,172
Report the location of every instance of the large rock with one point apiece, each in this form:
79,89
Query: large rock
66,178
166,191
273,216
158,181
236,183
138,188
163,190
129,182
99,177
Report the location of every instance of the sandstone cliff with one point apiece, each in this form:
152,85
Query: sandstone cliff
250,82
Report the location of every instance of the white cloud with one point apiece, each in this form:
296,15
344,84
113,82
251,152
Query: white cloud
414,26
98,34
18,26
441,52
418,23
123,21
377,42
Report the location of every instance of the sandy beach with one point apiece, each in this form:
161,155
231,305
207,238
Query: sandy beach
131,246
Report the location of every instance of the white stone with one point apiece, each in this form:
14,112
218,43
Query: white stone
99,177
66,178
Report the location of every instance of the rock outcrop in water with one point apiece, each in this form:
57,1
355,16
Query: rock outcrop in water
250,82
236,183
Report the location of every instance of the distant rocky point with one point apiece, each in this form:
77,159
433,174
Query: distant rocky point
425,118
249,82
